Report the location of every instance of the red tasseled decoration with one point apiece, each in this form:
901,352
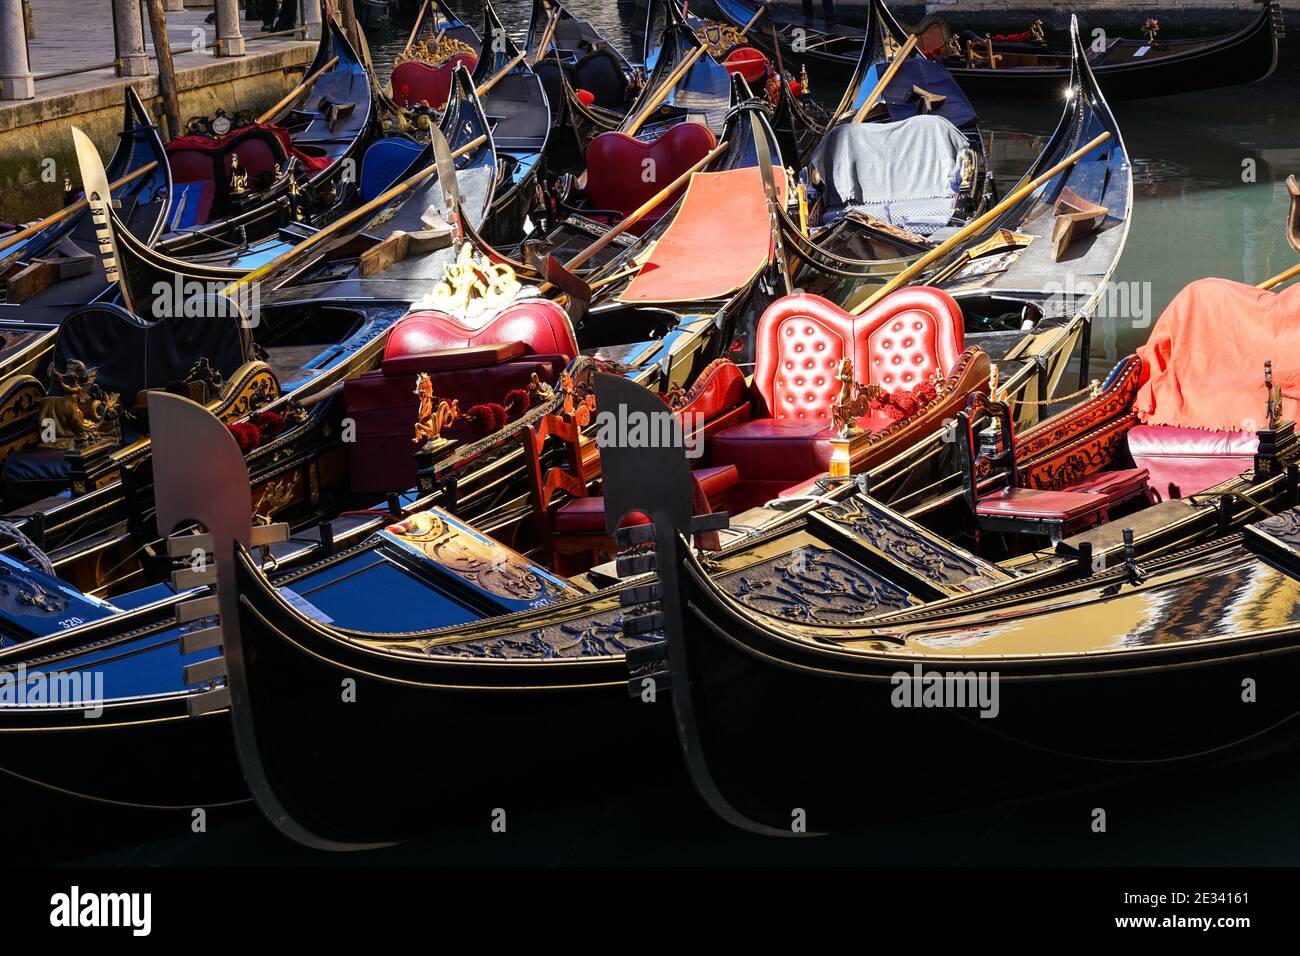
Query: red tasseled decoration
517,401
925,393
247,435
902,406
487,418
269,424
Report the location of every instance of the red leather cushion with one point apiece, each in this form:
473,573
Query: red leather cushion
1068,506
415,82
720,387
541,325
619,171
479,356
799,343
748,62
898,343
1114,485
715,482
587,516
1186,461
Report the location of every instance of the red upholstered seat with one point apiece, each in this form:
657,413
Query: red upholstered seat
1117,486
256,155
1186,461
471,365
624,172
414,82
587,515
1071,507
541,325
800,341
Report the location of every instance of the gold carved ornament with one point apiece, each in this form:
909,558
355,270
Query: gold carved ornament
433,416
472,285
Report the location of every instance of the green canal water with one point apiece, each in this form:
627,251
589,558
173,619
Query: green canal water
1195,215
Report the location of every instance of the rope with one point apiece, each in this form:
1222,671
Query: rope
1053,401
9,530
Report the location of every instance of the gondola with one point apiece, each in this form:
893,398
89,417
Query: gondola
320,319
589,83
293,166
296,476
513,98
1070,671
53,271
1126,69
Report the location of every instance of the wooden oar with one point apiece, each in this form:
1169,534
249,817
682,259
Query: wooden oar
342,223
496,78
665,88
1281,277
297,91
66,211
681,70
885,79
640,212
547,35
971,228
419,21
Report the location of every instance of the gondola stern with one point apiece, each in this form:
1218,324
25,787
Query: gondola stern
656,482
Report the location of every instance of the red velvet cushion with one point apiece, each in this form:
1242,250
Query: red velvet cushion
619,171
255,155
541,325
191,166
1068,506
1186,461
415,82
384,408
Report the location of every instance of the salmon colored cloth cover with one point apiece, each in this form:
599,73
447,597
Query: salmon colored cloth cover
1203,366
717,242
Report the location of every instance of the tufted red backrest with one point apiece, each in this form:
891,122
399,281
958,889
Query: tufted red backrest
800,342
908,336
619,176
541,325
415,82
897,344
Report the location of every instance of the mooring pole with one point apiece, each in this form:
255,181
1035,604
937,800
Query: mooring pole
162,48
348,17
311,19
230,42
16,82
131,58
